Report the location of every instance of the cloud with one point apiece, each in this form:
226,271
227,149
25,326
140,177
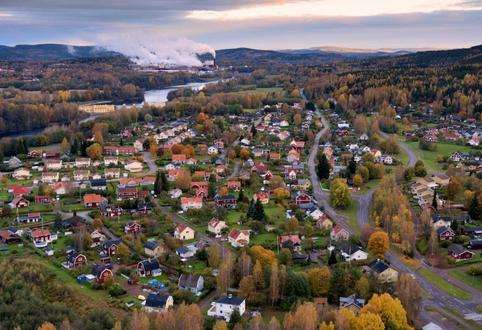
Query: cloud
332,8
148,47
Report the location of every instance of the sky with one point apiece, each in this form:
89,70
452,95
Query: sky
265,24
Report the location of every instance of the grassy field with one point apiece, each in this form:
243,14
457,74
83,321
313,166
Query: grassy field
461,275
445,286
350,213
430,157
267,238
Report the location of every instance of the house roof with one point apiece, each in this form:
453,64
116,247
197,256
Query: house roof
92,198
97,269
457,249
189,280
150,264
235,233
348,248
230,300
379,266
156,300
151,245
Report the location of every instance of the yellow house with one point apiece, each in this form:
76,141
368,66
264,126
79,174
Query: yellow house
383,272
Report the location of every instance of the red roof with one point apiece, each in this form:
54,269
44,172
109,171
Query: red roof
235,233
92,198
36,233
19,190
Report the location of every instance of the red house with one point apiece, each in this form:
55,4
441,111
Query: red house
228,201
93,200
75,260
102,273
302,198
132,227
42,199
445,233
458,252
234,185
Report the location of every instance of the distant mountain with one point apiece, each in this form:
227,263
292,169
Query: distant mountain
471,55
252,57
248,56
52,52
313,56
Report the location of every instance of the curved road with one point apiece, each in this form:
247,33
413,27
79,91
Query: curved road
437,298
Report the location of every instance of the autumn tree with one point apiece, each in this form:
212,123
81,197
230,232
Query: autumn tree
319,279
378,243
389,309
410,294
183,180
247,287
214,255
64,146
94,151
306,317
357,180
362,287
339,193
367,321
274,285
220,325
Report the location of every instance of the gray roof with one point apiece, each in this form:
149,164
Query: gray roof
230,300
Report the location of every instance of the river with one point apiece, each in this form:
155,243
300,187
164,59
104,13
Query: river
154,96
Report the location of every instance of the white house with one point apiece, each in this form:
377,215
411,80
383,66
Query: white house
134,166
212,151
351,252
238,238
21,174
183,232
82,162
225,306
191,282
111,160
53,164
216,226
139,145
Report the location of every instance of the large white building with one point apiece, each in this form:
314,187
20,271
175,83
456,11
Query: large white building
225,306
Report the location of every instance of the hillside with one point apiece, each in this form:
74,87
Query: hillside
471,55
51,52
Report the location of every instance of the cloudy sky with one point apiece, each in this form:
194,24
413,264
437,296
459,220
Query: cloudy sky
266,24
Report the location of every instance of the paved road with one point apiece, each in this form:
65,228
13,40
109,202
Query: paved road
412,158
437,298
150,162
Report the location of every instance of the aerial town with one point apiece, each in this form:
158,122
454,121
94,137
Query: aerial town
253,191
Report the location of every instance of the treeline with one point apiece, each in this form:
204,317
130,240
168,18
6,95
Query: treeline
24,113
448,89
31,294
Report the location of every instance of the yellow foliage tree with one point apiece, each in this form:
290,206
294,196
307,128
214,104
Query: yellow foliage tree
389,309
378,243
319,279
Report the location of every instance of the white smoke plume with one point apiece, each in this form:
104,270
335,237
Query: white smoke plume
148,48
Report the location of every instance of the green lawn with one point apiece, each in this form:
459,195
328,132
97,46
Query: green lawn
260,239
274,212
350,213
233,216
430,157
73,207
4,196
461,275
445,286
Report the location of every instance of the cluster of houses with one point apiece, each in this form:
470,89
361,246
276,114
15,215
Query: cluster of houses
423,189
